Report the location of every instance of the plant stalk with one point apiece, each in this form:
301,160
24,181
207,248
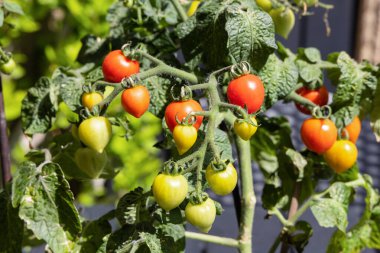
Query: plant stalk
4,144
224,241
248,196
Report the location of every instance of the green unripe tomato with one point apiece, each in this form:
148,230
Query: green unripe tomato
283,19
169,190
266,5
308,3
202,216
245,130
222,182
8,67
90,162
95,133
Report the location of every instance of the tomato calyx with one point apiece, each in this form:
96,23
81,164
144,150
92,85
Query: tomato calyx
196,198
185,93
128,51
172,168
240,69
218,165
321,112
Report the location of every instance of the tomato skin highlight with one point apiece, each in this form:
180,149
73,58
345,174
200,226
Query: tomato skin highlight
8,67
246,91
319,97
202,216
182,109
169,190
318,135
222,182
95,133
245,130
353,129
341,156
116,66
91,99
90,162
135,100
184,137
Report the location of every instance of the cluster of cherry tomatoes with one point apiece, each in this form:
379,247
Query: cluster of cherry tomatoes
320,135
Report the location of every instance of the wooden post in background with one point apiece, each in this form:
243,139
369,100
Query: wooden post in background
368,31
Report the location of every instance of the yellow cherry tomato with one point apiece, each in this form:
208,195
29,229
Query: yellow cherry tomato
222,182
90,162
341,156
202,215
244,129
91,99
95,133
266,5
184,137
169,190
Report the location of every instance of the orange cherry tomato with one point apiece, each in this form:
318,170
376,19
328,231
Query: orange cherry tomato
318,135
353,130
319,97
135,100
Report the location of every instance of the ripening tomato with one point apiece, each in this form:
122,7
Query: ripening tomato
184,137
95,133
353,130
246,91
341,156
266,5
222,182
319,97
318,134
116,66
90,161
91,99
8,67
202,215
181,109
244,129
135,100
169,190
283,19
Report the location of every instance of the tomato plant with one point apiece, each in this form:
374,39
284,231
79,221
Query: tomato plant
116,66
169,190
201,215
179,110
341,156
238,72
135,100
8,67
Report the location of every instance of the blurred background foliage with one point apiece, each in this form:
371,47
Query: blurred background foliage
47,36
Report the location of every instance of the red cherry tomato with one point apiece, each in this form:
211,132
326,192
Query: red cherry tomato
135,100
182,109
353,130
319,97
318,135
116,66
246,91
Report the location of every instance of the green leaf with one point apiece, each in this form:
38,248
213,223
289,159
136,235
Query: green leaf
174,231
13,7
23,177
12,227
159,90
279,79
274,197
296,161
300,237
223,143
310,54
219,208
311,74
152,242
48,210
92,236
330,213
37,109
375,115
340,192
250,35
126,207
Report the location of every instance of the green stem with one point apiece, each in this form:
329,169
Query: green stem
180,10
248,196
293,96
104,83
111,96
200,86
275,244
224,241
232,107
281,218
188,158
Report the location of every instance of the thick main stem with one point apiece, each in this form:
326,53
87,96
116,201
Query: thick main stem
4,144
248,196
